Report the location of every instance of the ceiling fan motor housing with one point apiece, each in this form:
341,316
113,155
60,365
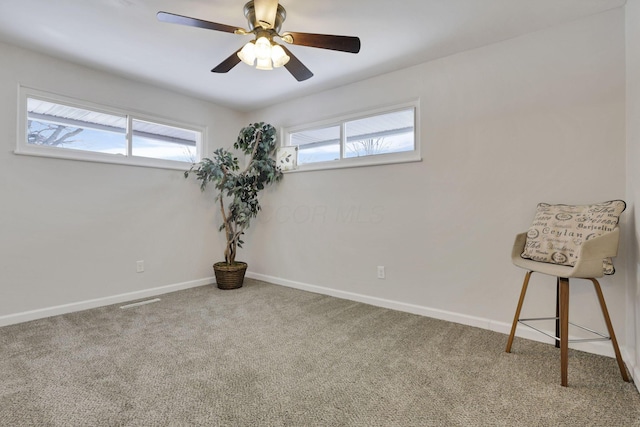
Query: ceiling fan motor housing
250,14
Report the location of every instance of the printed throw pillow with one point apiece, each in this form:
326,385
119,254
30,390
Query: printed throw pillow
558,231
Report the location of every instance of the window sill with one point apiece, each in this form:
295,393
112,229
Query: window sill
352,163
85,156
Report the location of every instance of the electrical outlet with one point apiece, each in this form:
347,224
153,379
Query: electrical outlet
381,272
140,266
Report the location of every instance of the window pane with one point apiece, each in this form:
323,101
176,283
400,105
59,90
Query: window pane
62,126
317,145
158,141
382,134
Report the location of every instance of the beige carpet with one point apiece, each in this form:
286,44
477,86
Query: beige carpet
266,355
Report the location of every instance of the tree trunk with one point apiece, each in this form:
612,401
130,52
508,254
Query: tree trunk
230,251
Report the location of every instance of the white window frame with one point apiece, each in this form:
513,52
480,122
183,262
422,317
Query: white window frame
351,162
24,148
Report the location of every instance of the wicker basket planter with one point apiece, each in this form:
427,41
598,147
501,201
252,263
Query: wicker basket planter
229,276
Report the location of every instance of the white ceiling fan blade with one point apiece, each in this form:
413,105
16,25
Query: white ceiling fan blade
266,12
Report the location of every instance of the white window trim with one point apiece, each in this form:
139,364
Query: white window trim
354,162
24,148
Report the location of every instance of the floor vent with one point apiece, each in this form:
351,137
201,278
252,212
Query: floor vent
136,304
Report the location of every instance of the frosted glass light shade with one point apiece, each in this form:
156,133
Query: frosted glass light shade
264,64
263,48
279,56
247,54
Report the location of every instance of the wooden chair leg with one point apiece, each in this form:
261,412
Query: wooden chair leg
564,330
612,334
557,343
517,315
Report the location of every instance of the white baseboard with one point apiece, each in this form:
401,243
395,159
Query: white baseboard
634,369
601,348
26,316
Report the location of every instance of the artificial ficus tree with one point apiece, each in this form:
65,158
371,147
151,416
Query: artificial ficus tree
237,190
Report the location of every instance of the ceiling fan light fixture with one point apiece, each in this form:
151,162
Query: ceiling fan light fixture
278,56
248,53
266,54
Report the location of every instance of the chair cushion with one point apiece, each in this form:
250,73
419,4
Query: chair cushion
558,231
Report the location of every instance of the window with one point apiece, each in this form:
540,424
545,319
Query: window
378,137
55,126
158,141
317,145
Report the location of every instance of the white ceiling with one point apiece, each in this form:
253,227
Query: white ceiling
124,37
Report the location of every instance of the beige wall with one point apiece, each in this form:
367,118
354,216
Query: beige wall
503,127
633,183
72,231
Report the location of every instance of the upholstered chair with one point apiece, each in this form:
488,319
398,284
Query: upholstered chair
569,242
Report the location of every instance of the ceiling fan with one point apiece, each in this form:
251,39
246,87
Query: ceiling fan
265,18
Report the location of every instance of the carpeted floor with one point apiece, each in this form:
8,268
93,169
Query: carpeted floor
266,355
